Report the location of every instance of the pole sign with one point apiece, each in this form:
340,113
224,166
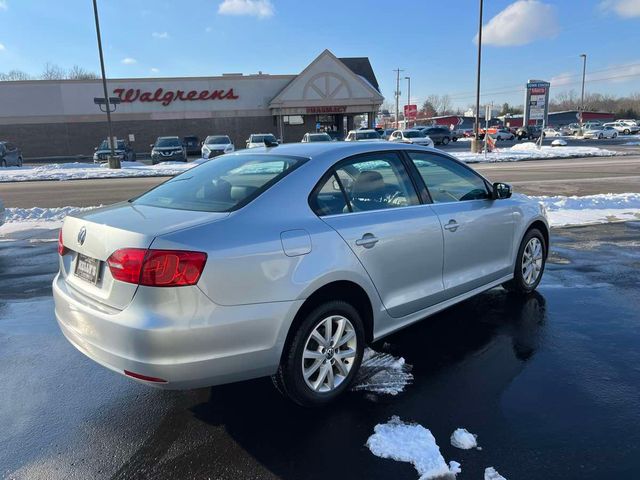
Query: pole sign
536,101
410,112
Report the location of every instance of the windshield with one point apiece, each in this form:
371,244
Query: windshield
413,134
319,137
217,140
105,145
221,186
262,138
367,136
168,142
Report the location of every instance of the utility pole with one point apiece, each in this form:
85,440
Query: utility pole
113,160
584,71
397,70
408,79
474,144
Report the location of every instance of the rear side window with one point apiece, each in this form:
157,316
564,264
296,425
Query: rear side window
223,185
369,182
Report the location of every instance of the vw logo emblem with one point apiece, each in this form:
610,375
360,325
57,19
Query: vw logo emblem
82,234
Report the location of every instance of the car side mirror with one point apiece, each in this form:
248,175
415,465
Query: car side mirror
151,145
501,191
95,148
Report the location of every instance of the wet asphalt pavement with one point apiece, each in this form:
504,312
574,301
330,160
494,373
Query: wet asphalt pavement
550,383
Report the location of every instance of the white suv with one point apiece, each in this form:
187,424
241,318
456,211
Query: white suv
623,127
262,140
369,135
416,137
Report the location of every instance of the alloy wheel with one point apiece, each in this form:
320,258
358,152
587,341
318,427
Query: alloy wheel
532,261
329,353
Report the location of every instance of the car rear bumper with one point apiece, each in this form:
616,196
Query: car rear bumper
177,335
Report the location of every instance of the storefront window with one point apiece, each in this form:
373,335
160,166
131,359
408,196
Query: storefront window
293,120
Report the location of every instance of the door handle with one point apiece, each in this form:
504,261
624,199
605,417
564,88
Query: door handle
452,226
368,240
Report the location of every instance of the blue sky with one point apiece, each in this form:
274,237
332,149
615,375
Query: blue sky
432,41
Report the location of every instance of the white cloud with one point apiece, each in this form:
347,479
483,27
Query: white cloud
3,5
2,47
618,73
256,8
154,70
521,23
565,78
624,8
160,35
128,61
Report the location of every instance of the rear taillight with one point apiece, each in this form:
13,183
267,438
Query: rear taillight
157,268
62,250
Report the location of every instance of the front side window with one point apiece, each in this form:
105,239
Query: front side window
365,183
221,186
447,180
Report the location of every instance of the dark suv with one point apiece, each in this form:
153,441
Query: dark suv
10,155
530,133
439,135
192,144
122,150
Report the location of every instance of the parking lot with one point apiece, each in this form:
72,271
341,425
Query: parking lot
544,381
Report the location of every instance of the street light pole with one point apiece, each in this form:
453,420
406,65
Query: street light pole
408,79
584,71
474,145
113,160
397,70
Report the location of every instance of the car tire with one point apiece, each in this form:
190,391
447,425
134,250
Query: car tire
615,135
521,283
627,131
3,164
445,140
19,161
600,136
290,378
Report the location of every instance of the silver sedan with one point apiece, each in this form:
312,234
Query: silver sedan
287,261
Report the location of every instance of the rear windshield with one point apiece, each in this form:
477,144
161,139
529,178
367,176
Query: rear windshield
105,145
262,138
217,140
413,134
319,137
221,186
367,135
168,142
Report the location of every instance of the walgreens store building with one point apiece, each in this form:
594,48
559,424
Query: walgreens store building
59,117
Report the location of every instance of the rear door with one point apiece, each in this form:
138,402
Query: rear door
12,155
478,231
371,202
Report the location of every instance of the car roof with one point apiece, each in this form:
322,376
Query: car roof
170,137
364,130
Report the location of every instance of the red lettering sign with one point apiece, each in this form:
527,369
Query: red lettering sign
130,95
326,109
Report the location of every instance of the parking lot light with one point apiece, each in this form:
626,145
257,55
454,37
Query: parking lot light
584,70
476,140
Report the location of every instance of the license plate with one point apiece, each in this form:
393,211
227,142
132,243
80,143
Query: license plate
87,268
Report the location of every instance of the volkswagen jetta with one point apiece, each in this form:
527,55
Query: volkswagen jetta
286,261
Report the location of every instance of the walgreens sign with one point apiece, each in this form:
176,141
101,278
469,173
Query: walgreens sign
167,97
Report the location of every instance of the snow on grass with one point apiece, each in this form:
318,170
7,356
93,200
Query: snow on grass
81,171
382,373
530,151
411,443
461,438
491,474
591,209
18,219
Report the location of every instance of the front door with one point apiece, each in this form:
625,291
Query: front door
478,231
371,202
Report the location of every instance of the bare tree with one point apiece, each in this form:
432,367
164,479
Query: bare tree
53,72
13,75
78,73
441,103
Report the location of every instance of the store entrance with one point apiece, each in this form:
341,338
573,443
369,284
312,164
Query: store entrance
335,125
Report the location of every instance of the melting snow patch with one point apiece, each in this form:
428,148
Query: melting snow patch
530,151
454,467
491,474
18,219
383,373
409,443
591,209
461,438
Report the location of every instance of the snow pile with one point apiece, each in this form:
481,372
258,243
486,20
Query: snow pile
590,209
559,143
491,474
530,151
18,219
461,438
80,171
382,373
409,443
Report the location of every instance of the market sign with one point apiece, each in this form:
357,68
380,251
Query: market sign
166,97
411,112
536,103
331,109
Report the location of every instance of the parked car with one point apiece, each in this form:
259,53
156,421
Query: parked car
261,140
368,135
386,133
439,135
215,145
2,213
503,134
123,151
601,132
168,149
530,132
316,137
574,128
10,155
551,132
171,290
625,128
411,136
336,136
191,144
